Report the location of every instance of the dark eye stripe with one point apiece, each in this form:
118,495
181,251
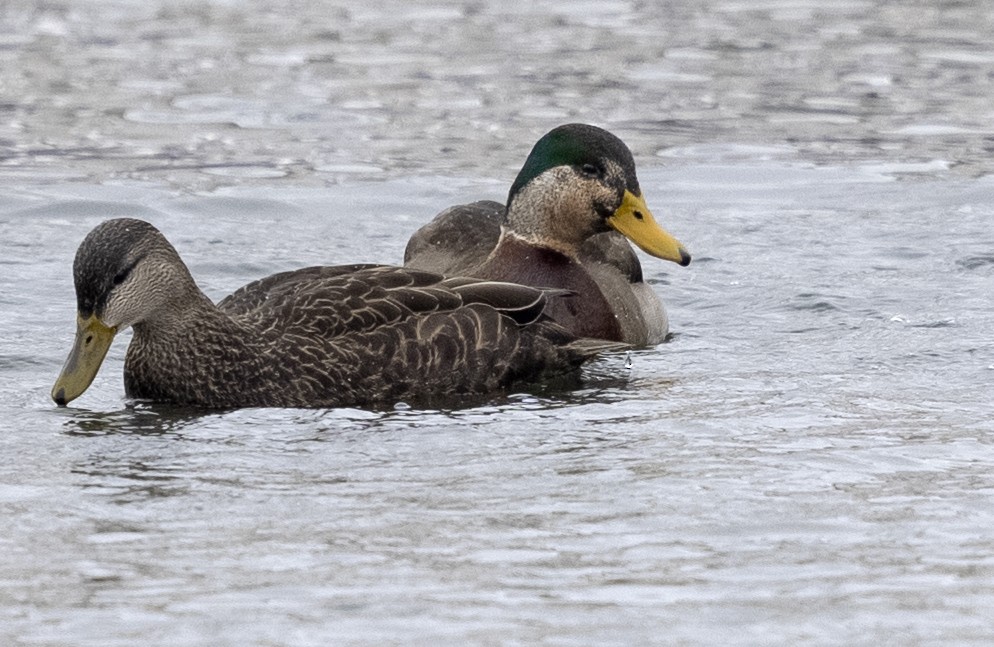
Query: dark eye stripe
121,276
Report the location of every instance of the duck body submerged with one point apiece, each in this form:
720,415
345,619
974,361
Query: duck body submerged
617,305
315,337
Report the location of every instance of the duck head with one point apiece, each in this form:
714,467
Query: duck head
124,272
580,180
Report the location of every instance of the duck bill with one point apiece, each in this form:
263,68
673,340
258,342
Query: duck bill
635,221
93,338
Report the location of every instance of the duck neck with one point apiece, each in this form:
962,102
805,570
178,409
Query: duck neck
520,259
536,240
181,353
546,213
184,315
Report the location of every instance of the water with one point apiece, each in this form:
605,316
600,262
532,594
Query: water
807,461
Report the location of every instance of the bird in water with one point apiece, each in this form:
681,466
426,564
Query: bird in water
315,337
570,213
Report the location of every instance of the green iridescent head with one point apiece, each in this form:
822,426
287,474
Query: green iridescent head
578,145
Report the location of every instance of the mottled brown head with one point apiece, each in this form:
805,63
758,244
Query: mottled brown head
125,271
106,258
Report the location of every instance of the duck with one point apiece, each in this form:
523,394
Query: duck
570,214
323,336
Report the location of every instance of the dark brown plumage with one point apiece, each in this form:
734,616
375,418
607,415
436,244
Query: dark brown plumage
315,337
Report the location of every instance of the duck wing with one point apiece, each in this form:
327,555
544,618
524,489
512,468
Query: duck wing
367,334
333,301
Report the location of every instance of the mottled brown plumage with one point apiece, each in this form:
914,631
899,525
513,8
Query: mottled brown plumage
315,337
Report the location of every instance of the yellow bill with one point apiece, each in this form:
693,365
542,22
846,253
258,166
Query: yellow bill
93,338
635,221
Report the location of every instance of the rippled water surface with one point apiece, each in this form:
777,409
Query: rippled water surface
808,461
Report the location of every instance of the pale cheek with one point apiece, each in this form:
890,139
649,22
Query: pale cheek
129,303
118,313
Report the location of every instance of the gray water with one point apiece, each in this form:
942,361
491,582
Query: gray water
807,462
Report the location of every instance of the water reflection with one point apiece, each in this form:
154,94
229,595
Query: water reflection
136,418
602,381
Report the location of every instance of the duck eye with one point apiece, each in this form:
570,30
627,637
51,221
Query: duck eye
591,169
120,276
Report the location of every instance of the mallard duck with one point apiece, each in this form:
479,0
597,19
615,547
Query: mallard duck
569,215
314,337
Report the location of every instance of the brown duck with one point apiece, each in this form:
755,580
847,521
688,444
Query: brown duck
314,337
